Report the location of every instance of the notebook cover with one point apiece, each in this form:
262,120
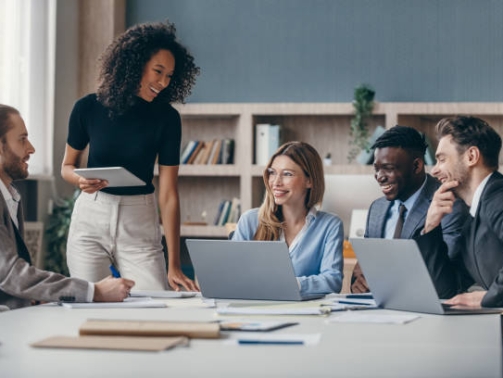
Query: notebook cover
200,330
112,342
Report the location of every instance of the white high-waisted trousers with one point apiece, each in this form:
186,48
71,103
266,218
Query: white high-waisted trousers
123,230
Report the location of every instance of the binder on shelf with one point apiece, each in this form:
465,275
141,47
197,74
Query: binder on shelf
267,141
367,157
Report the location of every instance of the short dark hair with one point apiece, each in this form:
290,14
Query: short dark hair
122,64
5,123
404,137
469,131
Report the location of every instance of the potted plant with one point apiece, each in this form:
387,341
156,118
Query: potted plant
56,234
363,104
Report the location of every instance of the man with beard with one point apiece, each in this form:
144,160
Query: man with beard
467,165
399,169
20,282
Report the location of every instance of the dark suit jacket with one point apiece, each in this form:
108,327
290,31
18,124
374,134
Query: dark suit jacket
452,224
20,282
480,251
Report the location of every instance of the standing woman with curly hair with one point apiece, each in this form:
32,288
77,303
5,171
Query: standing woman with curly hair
130,122
295,186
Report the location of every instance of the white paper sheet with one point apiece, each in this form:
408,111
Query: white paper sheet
162,293
273,310
365,317
143,302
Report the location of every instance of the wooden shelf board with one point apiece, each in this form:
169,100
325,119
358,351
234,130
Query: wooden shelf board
203,231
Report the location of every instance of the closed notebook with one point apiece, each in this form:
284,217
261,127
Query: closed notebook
112,342
199,330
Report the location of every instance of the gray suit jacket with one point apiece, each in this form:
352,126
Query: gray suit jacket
452,224
480,251
20,282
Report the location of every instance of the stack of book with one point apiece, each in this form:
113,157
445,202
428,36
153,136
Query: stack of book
267,141
142,335
228,212
217,151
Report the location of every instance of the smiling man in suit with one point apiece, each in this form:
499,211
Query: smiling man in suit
408,190
467,165
20,282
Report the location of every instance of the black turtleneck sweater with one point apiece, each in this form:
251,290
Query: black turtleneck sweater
132,140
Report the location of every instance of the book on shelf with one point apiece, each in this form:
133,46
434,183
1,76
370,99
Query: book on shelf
235,211
228,212
194,153
267,141
219,213
225,213
208,146
215,151
188,150
200,153
367,156
227,151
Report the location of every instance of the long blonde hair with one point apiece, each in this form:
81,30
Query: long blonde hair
271,215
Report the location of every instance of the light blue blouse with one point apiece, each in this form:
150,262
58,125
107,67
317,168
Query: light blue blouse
317,254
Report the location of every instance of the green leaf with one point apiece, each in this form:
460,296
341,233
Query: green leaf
56,234
363,104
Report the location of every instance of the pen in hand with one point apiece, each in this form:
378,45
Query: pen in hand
115,272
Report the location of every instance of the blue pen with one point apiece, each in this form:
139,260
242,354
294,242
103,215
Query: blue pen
271,342
359,296
114,271
355,303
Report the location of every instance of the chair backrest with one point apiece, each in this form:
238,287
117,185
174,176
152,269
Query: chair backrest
230,228
33,235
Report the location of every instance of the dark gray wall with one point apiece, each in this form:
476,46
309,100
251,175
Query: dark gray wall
319,50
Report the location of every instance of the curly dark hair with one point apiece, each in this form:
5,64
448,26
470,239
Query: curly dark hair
122,64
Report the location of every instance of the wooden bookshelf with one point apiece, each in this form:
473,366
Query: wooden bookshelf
324,125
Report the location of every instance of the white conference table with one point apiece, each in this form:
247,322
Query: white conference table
431,346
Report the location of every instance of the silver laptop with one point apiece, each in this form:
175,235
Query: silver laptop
245,270
399,279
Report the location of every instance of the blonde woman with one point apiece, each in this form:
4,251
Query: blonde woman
295,185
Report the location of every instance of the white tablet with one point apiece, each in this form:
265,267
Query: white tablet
163,293
116,176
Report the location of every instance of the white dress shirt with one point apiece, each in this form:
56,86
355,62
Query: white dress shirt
477,195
